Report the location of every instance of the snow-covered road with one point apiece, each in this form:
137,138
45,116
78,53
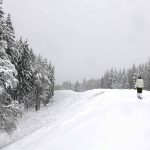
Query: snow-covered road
92,120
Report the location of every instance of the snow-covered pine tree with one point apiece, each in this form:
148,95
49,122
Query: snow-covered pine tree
48,82
134,80
10,39
98,84
7,79
115,83
51,72
124,80
77,86
32,61
147,75
7,73
132,76
24,69
111,78
2,22
102,82
43,81
106,80
33,57
140,70
6,68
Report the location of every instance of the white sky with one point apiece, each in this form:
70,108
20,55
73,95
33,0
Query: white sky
84,38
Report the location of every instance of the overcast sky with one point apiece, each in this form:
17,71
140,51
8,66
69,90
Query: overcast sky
84,38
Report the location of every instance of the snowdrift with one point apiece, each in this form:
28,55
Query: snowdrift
91,120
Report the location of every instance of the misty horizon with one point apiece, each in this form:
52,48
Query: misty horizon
83,39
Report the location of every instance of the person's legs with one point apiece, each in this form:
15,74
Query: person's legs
139,93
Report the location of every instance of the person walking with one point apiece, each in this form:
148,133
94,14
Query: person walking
139,85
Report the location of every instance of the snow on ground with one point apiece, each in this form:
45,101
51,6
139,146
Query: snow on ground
91,120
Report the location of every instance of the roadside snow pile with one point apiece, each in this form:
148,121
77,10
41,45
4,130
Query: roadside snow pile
92,120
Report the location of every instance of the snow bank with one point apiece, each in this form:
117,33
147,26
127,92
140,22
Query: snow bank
92,120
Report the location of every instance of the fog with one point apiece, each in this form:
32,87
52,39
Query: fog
84,38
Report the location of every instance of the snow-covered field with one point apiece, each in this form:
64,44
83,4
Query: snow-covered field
91,120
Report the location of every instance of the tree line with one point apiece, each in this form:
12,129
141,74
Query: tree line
26,79
112,79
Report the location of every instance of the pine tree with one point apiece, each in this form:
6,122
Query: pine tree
102,83
134,80
77,86
111,78
83,85
147,75
44,81
2,22
7,79
115,82
124,80
10,39
107,84
25,70
7,70
52,80
131,73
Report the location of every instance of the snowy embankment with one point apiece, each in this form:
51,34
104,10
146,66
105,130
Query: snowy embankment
92,120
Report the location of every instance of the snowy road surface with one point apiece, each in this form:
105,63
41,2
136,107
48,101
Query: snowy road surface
92,120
